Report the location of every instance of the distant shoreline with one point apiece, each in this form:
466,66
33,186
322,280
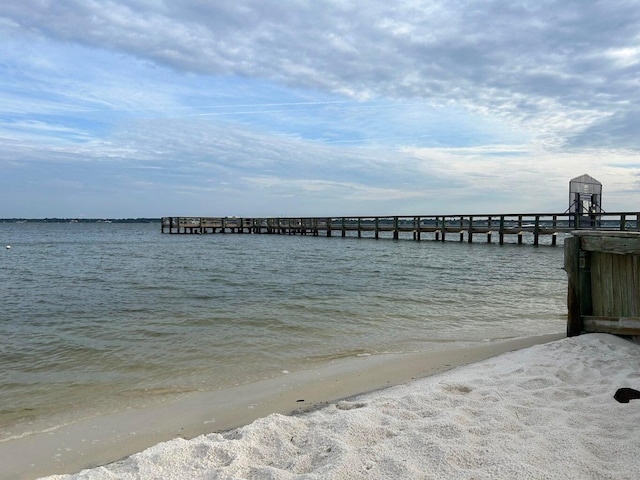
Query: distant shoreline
80,220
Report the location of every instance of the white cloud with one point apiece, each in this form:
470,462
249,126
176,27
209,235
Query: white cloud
479,101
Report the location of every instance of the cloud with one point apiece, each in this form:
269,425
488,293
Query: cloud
413,101
617,131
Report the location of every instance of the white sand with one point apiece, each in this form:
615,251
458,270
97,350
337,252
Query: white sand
543,412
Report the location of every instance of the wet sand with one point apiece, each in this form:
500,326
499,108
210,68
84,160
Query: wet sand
101,440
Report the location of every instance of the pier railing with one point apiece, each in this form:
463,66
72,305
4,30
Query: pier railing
418,227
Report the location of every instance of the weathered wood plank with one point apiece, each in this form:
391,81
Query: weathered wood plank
635,274
598,273
614,325
622,264
619,243
615,289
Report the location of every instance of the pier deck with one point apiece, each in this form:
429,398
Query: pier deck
419,227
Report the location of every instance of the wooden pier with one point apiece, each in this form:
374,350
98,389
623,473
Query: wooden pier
419,227
603,271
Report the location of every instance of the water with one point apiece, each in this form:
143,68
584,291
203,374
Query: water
102,317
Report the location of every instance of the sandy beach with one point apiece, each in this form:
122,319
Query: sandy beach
545,411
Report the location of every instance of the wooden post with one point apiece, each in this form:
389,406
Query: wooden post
359,227
377,231
344,227
501,232
396,233
520,231
470,234
461,229
536,231
418,232
328,227
572,267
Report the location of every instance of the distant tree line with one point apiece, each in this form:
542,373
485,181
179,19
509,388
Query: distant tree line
80,220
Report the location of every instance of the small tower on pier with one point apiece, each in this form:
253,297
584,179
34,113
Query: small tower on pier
585,198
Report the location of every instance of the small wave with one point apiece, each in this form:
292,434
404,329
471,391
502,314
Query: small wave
342,355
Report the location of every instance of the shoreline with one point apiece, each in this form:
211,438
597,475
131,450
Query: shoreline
547,411
105,439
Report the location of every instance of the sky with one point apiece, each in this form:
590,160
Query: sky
253,108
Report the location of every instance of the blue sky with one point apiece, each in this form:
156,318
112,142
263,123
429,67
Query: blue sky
145,108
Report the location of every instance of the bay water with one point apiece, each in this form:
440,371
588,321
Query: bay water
102,317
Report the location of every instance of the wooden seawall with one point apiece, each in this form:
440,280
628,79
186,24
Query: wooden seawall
417,227
603,271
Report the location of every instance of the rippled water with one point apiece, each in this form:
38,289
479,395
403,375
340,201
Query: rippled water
97,317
